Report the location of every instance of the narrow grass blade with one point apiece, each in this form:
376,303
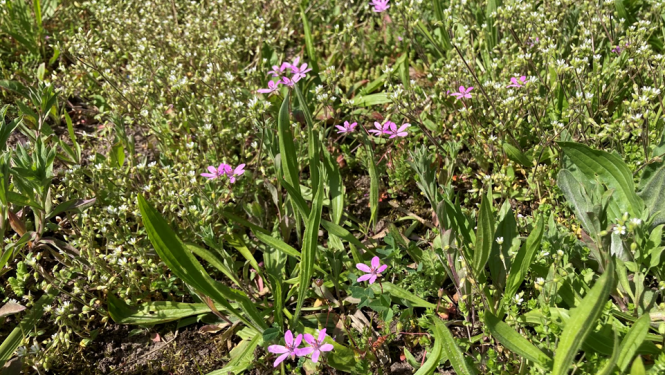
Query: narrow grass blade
484,236
313,146
309,41
335,188
373,185
211,257
609,367
397,292
632,341
242,357
453,352
153,312
309,248
184,265
430,366
287,148
515,342
238,243
582,322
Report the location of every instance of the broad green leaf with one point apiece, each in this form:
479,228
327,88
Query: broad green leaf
515,342
582,322
484,235
77,205
242,357
582,205
371,99
184,265
287,148
309,248
342,233
653,195
632,341
523,260
430,366
514,154
238,243
609,367
638,367
612,171
412,360
153,312
453,352
278,244
27,324
400,293
342,358
213,258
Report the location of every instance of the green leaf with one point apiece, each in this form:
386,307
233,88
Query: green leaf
242,357
523,260
638,367
371,99
16,87
309,248
611,171
309,41
453,352
515,342
78,205
28,323
632,341
430,366
400,293
514,154
238,243
184,265
335,188
287,148
211,257
576,196
415,364
342,358
441,49
373,185
653,195
313,146
582,322
609,367
484,235
153,312
278,244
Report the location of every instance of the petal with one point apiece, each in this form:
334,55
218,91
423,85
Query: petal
392,136
301,352
372,279
315,356
403,127
209,175
402,134
462,89
378,126
212,169
288,337
376,262
322,335
346,124
239,170
382,268
310,339
298,341
278,349
280,359
469,89
232,179
326,347
393,127
365,277
353,126
363,267
523,79
341,128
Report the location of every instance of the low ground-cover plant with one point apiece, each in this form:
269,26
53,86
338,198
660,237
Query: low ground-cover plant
337,186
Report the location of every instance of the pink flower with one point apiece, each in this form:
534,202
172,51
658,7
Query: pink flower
236,172
463,93
291,348
298,72
317,345
372,272
272,87
517,82
347,128
401,132
381,129
380,5
290,81
216,172
278,70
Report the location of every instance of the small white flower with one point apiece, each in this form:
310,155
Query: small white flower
518,299
540,281
499,240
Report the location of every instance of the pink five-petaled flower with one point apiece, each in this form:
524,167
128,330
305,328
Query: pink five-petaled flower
381,129
463,93
517,82
278,70
298,72
290,81
372,272
216,172
395,132
347,128
317,345
380,5
236,172
291,348
272,87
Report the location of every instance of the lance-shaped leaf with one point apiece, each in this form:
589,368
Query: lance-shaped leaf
515,342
